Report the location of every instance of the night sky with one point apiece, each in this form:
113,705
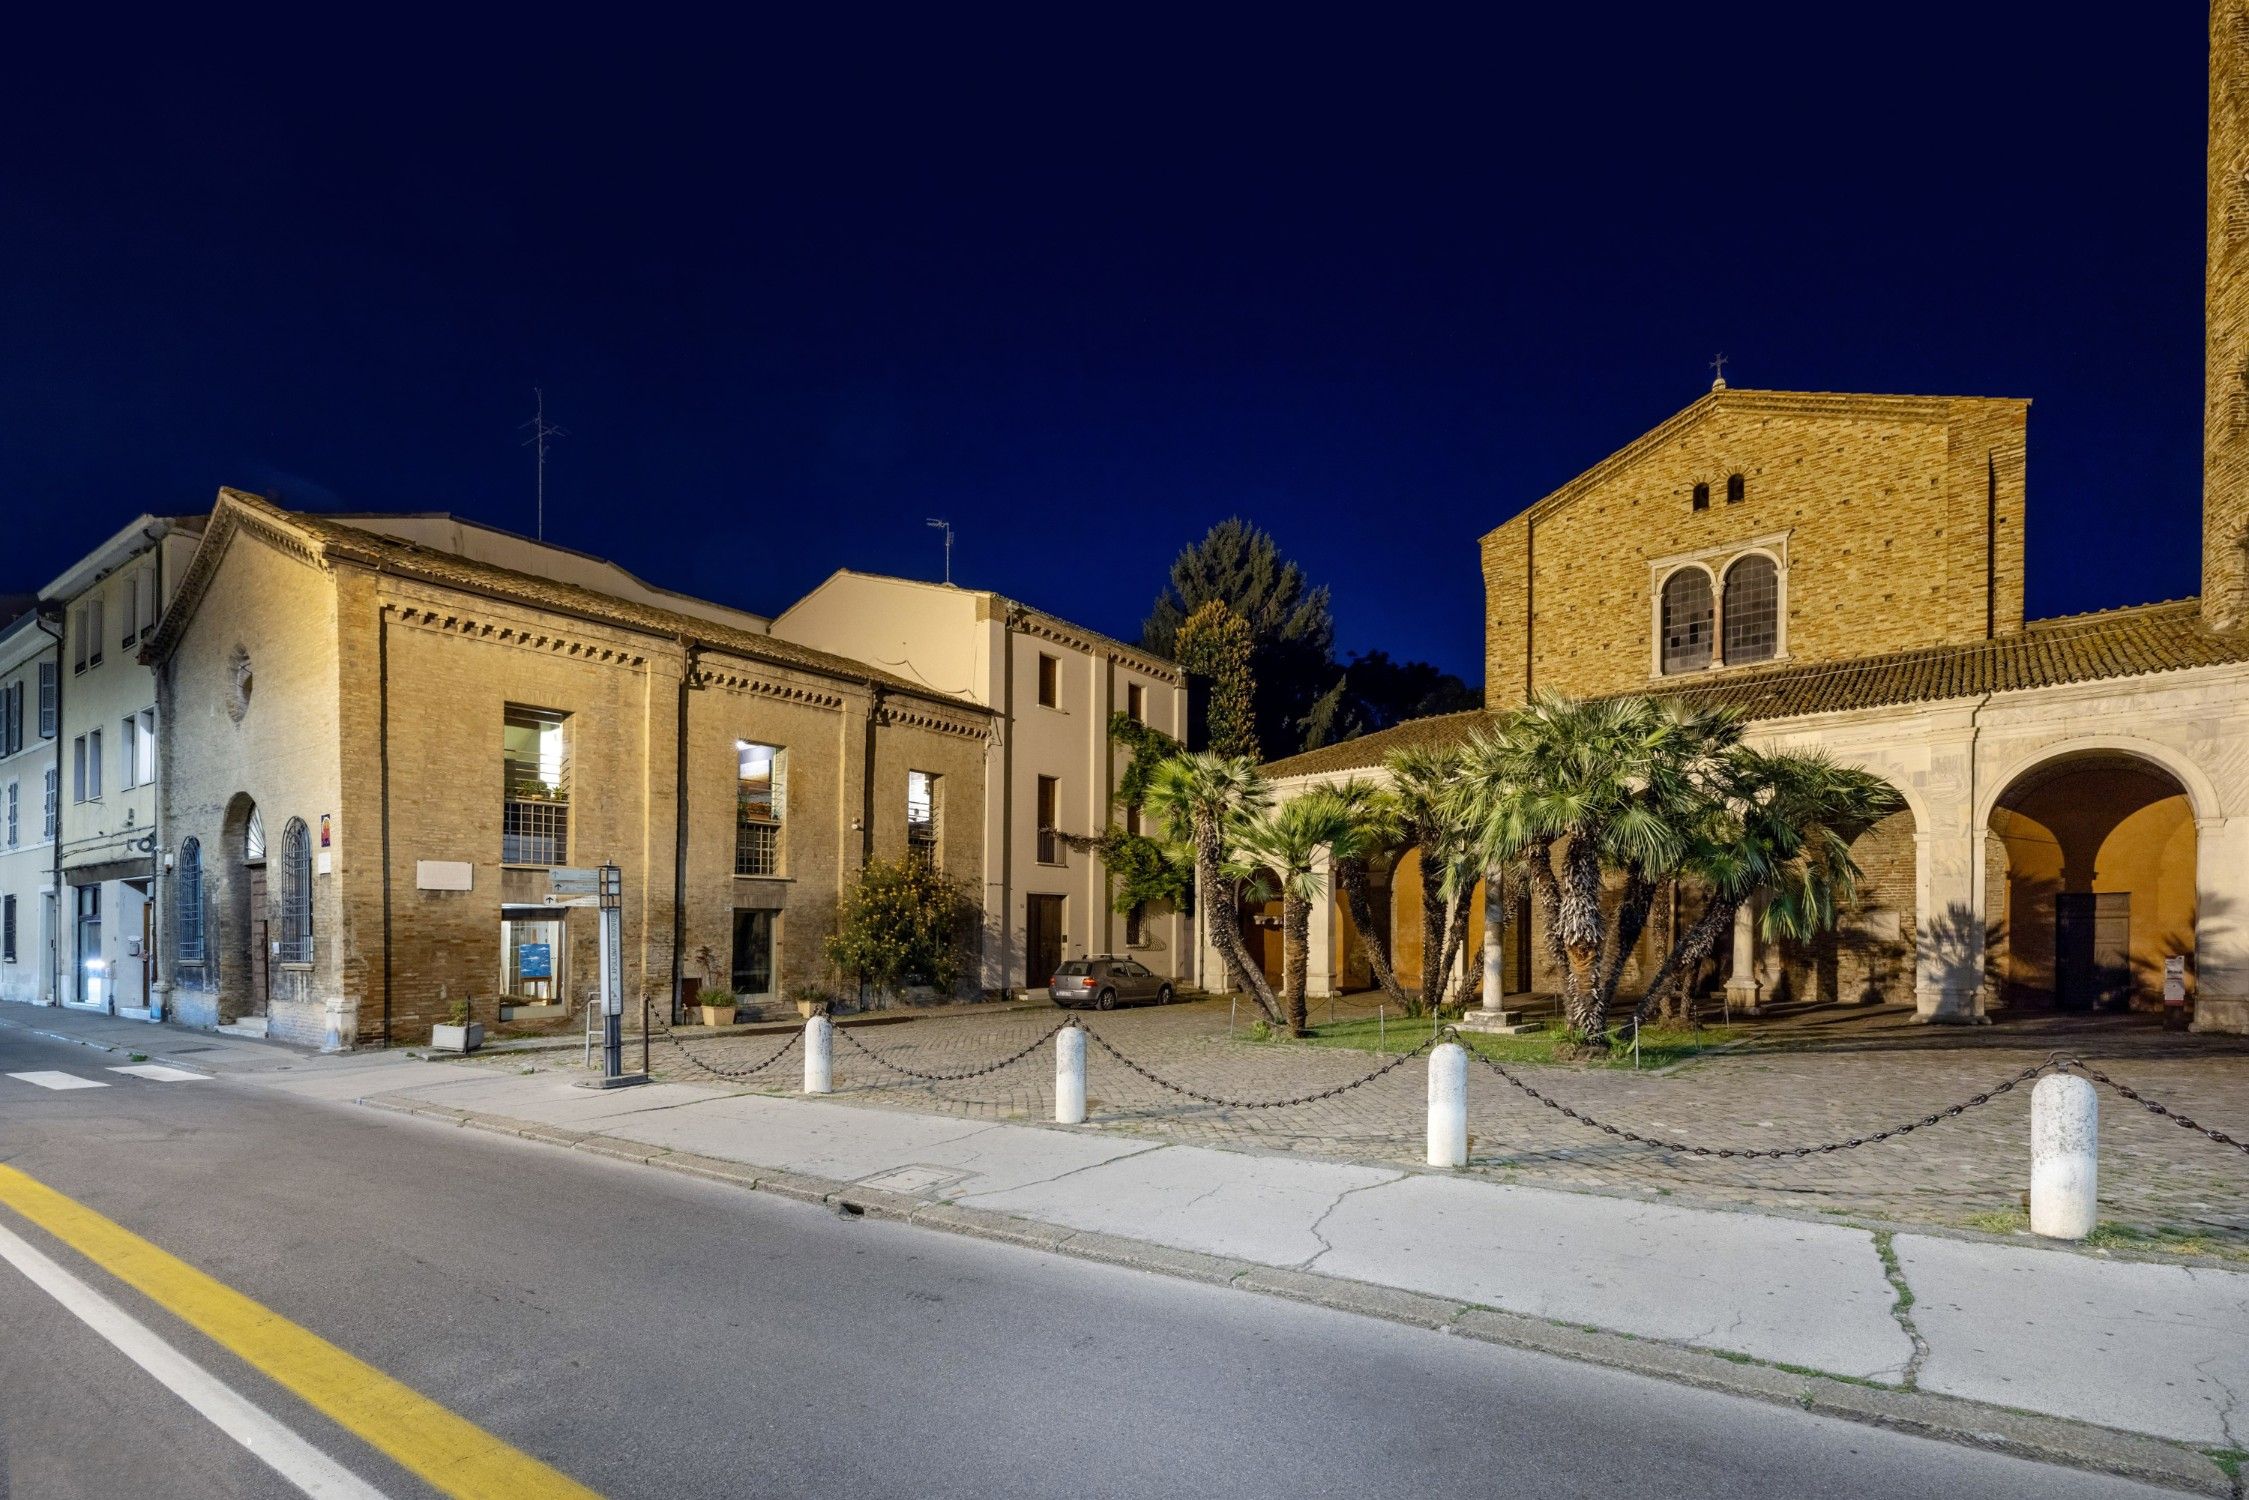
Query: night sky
1086,282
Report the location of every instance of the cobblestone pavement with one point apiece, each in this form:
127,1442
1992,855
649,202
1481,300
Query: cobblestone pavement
2154,1175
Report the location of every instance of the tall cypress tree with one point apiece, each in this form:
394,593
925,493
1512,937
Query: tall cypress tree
1291,632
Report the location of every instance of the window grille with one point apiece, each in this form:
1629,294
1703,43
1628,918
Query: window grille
921,816
187,896
1752,618
1686,621
757,845
535,788
296,893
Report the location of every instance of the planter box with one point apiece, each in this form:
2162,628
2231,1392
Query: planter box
717,1015
457,1038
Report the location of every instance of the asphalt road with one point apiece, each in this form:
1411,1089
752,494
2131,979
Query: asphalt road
654,1335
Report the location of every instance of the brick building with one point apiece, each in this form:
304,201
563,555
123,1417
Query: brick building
1847,572
378,746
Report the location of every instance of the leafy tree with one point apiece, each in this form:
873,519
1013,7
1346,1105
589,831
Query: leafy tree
1287,842
902,923
1373,692
1148,871
1291,630
1215,644
1206,799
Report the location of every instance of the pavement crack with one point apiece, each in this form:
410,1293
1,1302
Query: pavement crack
1901,1307
1317,1224
2229,1402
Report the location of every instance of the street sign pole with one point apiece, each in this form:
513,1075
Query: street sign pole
610,892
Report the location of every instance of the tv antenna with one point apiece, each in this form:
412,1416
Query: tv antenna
541,430
947,528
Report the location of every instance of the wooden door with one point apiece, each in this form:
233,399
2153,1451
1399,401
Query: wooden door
260,942
1042,944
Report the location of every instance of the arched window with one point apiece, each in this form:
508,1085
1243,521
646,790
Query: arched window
296,893
1702,496
1686,621
1752,614
1736,487
187,901
254,839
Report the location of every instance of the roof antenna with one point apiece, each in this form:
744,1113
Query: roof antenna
1719,366
947,528
541,430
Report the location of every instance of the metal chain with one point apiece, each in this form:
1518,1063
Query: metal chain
719,1072
1770,1153
950,1077
2154,1108
1342,1088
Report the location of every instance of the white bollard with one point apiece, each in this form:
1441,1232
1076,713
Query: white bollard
819,1067
1448,1105
1069,1076
2065,1118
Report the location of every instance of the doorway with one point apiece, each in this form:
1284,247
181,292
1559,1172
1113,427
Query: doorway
2092,950
258,938
1042,939
751,974
88,989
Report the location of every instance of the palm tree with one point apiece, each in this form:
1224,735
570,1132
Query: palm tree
1372,826
1207,799
1782,825
1425,783
1289,841
1611,785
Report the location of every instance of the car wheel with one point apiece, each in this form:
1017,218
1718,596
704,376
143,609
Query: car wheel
1163,995
1106,1000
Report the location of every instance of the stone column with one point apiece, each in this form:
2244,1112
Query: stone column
1949,941
1743,989
2221,933
1495,923
1319,937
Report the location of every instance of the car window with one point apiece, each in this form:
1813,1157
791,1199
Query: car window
1136,971
1075,966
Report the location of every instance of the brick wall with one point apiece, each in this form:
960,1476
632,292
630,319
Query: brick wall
2225,419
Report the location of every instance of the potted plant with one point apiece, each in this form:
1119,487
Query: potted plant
811,1000
461,1033
717,1006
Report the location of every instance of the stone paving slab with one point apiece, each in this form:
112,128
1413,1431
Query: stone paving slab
1774,1289
555,1098
1220,1203
2161,1349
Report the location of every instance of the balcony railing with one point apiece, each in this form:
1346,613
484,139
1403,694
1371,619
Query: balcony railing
534,832
757,846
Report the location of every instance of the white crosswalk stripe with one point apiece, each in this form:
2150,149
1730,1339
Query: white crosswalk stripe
158,1073
50,1079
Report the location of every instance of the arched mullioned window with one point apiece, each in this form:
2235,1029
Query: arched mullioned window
296,893
187,896
1752,613
1686,621
1736,488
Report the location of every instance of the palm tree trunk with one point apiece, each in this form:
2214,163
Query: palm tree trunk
1296,923
1631,920
1582,926
1697,943
1456,936
1433,933
1351,875
1538,860
1222,921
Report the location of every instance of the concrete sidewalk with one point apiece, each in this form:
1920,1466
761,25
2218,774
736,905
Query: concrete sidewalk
2160,1349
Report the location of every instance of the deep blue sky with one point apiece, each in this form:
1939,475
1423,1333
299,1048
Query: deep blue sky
1085,286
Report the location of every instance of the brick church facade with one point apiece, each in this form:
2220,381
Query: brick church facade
1847,572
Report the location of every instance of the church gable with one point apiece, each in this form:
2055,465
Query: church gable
1758,527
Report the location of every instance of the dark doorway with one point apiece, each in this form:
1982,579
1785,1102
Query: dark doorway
2092,950
1042,939
260,938
1519,946
751,975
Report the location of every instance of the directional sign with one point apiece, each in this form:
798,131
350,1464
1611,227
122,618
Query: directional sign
574,881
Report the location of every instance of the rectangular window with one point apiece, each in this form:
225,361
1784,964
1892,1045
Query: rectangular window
78,619
533,948
130,607
54,802
921,816
8,800
1135,933
50,689
144,748
760,804
1050,838
94,633
1050,681
90,963
11,718
147,586
7,929
751,975
1132,820
125,758
1136,703
535,787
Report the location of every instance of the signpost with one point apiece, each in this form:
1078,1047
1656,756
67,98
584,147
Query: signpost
608,890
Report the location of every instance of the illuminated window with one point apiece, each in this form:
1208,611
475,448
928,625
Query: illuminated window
254,839
1686,621
921,816
535,787
760,804
1752,612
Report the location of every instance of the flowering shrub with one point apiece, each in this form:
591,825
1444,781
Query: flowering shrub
903,923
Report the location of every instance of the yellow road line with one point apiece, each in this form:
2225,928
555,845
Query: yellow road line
457,1456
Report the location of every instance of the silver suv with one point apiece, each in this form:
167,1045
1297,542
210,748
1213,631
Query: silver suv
1105,982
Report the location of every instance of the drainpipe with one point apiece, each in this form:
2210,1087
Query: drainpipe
1007,796
382,762
55,928
690,652
875,694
